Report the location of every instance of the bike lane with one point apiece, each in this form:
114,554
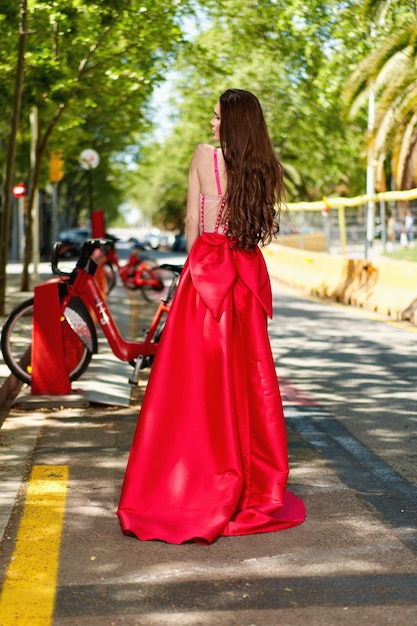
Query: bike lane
348,562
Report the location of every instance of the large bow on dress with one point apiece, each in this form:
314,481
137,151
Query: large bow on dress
215,266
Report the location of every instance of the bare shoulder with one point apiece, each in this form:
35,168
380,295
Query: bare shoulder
203,152
205,148
202,169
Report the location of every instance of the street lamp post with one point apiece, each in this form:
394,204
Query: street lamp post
370,175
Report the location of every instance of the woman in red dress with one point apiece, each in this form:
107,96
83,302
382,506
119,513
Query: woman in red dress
209,456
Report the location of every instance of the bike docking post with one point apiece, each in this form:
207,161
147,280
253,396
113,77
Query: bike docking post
98,230
48,364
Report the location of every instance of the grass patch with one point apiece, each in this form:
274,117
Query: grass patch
404,254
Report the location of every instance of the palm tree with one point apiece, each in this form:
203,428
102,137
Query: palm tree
391,71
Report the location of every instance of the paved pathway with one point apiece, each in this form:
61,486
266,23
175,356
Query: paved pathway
353,561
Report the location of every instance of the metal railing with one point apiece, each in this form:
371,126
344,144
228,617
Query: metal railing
356,221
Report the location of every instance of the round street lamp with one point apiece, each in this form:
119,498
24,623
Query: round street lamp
89,160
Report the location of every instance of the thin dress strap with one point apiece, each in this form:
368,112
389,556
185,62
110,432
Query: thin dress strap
216,172
222,202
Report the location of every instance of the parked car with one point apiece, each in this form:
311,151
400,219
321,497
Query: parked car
152,239
72,241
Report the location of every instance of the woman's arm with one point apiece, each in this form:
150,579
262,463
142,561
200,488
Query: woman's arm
193,201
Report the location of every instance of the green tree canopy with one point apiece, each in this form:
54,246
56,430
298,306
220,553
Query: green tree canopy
90,69
296,57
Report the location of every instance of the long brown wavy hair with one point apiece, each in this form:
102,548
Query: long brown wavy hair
254,174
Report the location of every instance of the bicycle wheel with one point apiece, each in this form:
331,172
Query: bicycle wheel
16,345
156,282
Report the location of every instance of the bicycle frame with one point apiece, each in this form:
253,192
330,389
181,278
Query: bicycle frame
81,284
48,340
131,273
86,288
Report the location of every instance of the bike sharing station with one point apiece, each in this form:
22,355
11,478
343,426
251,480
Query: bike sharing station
107,379
50,381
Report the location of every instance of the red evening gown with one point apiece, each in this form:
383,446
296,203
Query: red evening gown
209,455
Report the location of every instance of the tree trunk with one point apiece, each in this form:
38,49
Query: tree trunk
39,151
11,153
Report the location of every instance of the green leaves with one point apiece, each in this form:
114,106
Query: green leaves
390,70
295,56
90,70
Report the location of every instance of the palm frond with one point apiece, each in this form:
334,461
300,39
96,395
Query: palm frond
378,66
376,9
404,149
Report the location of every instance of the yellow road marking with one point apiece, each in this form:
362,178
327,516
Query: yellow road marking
28,594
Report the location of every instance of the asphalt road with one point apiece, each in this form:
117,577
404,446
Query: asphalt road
349,385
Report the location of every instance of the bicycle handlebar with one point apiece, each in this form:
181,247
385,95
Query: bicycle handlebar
86,251
54,260
175,269
85,261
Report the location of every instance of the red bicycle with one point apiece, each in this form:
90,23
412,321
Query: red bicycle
141,272
82,305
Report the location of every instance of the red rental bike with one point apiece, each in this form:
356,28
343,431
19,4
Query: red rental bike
82,306
140,271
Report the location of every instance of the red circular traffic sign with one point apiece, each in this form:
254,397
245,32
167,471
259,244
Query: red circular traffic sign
19,190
